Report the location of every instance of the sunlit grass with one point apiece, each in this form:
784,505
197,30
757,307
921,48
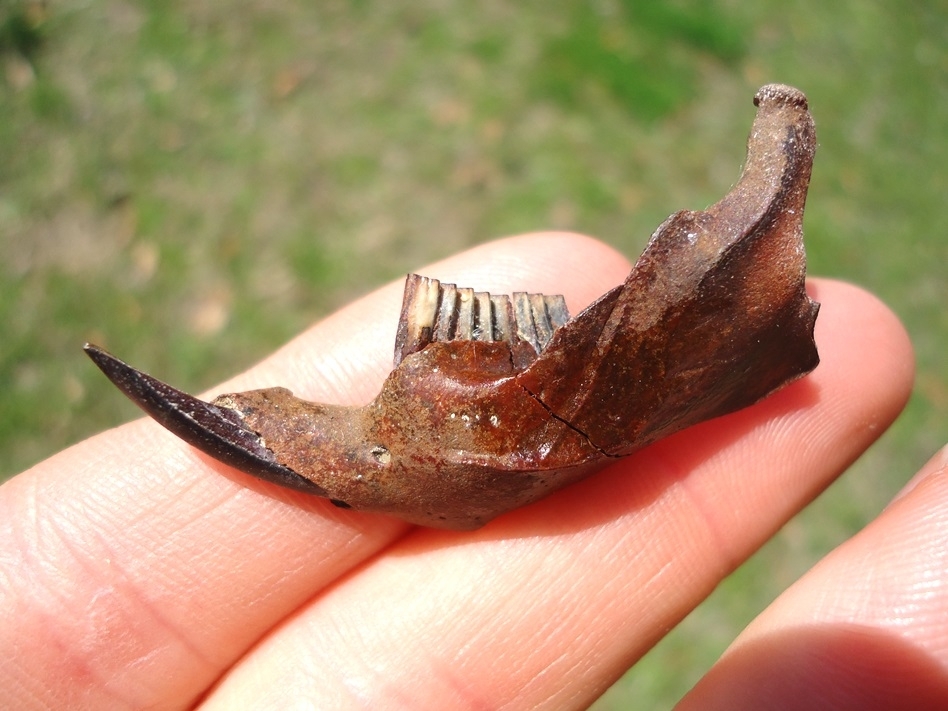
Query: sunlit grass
192,186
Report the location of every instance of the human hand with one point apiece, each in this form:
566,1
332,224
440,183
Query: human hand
138,572
864,629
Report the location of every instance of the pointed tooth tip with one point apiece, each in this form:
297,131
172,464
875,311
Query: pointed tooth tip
208,428
115,369
97,353
106,362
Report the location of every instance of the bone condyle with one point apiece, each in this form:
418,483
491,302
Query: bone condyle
496,401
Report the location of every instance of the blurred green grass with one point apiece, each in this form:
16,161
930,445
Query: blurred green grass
192,184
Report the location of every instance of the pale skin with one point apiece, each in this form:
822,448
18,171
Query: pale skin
137,573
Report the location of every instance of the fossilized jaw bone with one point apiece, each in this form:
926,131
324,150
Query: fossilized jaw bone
714,314
494,402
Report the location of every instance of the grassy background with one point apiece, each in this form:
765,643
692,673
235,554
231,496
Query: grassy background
192,183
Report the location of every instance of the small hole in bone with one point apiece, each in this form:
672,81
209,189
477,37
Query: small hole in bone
381,454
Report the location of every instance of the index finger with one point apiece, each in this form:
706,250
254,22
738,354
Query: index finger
136,570
548,605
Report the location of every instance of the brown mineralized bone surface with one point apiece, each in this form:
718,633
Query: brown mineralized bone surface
497,401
